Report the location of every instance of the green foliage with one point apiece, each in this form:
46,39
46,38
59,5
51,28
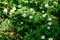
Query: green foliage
29,20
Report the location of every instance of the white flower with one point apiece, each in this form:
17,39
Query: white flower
5,10
34,12
31,9
40,7
24,14
50,38
49,23
44,15
26,1
48,27
21,37
19,6
21,22
11,11
30,17
25,11
55,2
36,2
49,19
43,37
46,5
14,8
11,33
43,11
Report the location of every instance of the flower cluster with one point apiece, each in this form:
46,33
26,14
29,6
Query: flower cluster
29,20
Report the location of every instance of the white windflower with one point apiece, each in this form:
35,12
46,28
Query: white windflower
31,9
43,37
50,38
36,2
21,22
11,33
19,6
34,12
49,23
26,1
11,11
5,10
24,14
52,6
44,15
46,5
49,19
48,27
21,37
55,2
43,11
30,17
14,8
41,7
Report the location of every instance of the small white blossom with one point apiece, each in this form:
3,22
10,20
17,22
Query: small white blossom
49,23
31,9
11,11
5,10
48,27
46,5
24,14
21,37
26,1
30,17
41,7
14,8
19,6
25,11
49,19
21,22
11,33
34,12
55,2
50,38
43,11
36,2
43,37
44,15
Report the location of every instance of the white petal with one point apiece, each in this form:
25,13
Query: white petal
24,15
46,5
49,23
5,10
43,37
19,6
44,15
21,22
49,19
50,39
30,17
48,27
31,9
